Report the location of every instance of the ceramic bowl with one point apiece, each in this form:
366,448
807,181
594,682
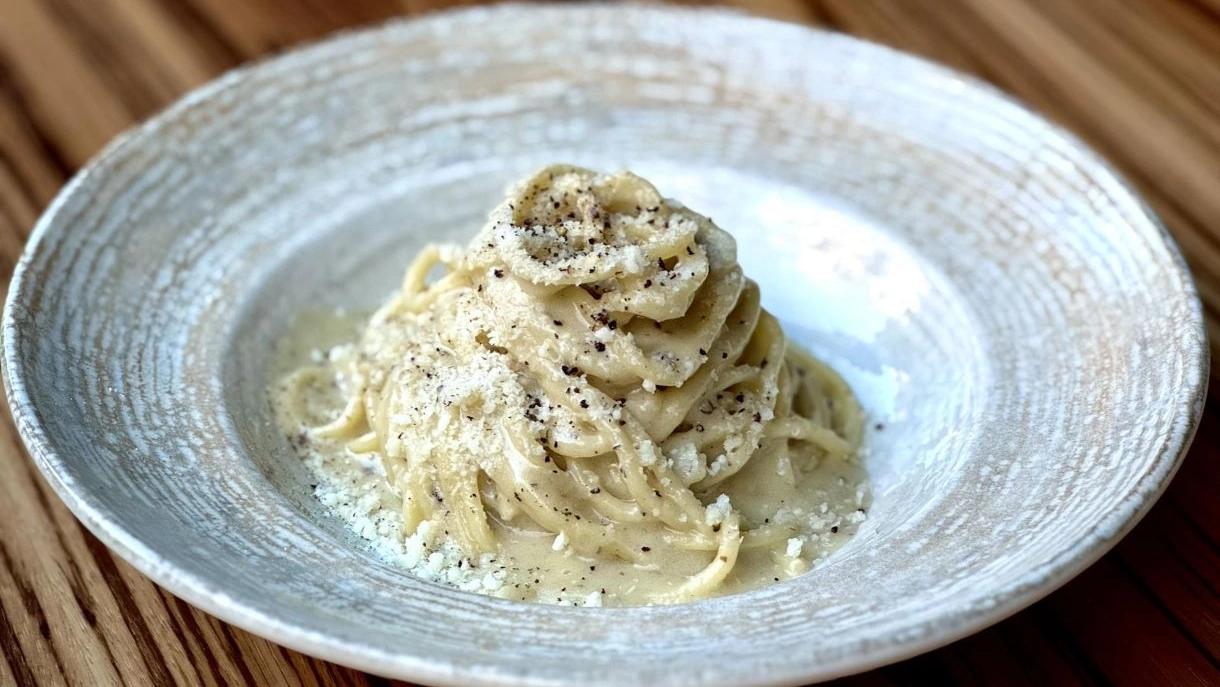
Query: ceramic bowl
1021,330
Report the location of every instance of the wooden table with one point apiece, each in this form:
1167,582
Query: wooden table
1139,79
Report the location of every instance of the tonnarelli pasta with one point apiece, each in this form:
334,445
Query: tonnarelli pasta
595,373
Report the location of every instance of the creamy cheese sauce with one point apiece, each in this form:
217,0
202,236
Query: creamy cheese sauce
770,487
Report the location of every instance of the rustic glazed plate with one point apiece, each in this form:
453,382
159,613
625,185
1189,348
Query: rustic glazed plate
1017,324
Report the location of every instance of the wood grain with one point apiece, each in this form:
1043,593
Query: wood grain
1138,79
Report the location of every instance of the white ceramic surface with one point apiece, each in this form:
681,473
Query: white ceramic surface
1005,307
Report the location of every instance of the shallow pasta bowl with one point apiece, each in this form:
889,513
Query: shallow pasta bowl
1026,339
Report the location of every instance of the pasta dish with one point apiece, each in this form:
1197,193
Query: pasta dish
585,405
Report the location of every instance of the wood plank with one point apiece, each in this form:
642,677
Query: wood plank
52,582
58,82
258,27
32,172
1110,616
1172,570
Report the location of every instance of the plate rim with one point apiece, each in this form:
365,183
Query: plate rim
198,591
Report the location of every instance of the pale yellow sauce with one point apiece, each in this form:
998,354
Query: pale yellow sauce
794,501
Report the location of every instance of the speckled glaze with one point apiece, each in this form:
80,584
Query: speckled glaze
1008,311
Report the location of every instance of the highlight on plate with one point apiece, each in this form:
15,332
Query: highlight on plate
588,406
